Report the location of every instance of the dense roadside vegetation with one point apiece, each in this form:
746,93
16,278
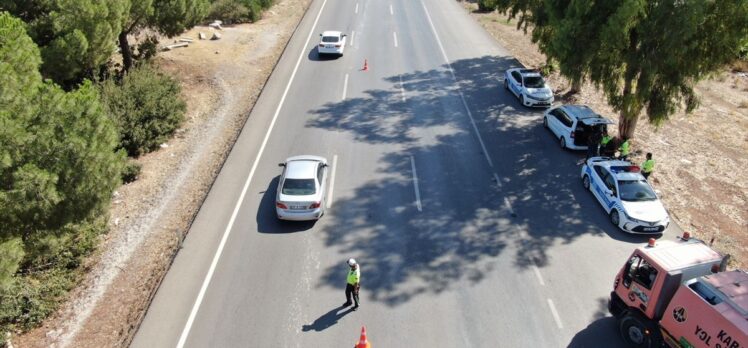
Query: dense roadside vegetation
79,95
646,56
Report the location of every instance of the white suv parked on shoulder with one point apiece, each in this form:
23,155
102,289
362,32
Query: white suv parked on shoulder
573,124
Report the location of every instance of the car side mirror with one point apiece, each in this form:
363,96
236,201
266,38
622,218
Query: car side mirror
281,164
320,34
344,35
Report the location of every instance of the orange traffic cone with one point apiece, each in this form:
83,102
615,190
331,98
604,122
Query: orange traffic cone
366,65
362,342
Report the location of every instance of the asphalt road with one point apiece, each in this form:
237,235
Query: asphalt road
471,226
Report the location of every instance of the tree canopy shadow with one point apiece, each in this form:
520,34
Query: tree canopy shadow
468,221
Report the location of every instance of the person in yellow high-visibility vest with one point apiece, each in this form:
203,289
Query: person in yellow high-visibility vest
624,149
605,144
353,284
648,166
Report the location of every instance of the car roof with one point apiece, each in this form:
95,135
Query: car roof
581,111
526,72
331,33
621,170
301,169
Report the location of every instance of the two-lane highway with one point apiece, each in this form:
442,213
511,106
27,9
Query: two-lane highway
471,226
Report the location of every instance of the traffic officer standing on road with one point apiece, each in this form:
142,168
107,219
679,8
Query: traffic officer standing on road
605,143
353,285
648,166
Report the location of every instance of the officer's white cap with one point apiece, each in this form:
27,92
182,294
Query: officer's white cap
351,262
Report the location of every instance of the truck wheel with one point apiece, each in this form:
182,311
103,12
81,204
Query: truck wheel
637,333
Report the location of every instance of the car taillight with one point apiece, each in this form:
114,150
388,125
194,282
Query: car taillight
281,205
338,46
321,45
314,205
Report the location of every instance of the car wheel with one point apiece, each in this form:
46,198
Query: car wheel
545,122
615,218
506,84
586,182
562,142
637,333
522,99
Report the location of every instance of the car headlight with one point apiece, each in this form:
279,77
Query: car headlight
636,221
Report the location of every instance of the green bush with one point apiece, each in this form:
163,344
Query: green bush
130,172
147,107
229,11
238,11
487,5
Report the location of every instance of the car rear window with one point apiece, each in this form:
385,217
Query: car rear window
636,191
534,82
299,187
329,39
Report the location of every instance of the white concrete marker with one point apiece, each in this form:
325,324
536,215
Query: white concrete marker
454,77
402,88
356,8
227,231
555,314
391,12
345,87
332,180
394,35
415,183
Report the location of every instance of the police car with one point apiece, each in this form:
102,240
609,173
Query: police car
529,86
625,195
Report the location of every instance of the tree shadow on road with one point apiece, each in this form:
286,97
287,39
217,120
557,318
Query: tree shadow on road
326,320
468,220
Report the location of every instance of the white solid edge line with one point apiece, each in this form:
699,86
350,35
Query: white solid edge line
328,204
353,36
402,88
394,35
345,87
217,256
454,77
415,183
391,12
555,314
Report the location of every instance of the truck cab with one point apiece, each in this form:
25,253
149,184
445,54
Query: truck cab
645,285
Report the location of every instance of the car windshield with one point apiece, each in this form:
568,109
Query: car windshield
329,39
534,82
636,191
298,187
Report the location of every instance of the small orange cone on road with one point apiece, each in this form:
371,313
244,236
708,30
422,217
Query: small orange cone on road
366,65
362,342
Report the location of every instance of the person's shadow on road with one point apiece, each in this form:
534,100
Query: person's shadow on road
326,320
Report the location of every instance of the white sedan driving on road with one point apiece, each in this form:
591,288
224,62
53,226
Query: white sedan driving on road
529,86
331,42
625,195
302,189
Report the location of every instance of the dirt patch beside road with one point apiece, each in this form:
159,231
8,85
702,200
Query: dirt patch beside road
699,157
221,81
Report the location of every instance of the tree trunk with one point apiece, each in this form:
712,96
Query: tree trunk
576,86
126,52
629,113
